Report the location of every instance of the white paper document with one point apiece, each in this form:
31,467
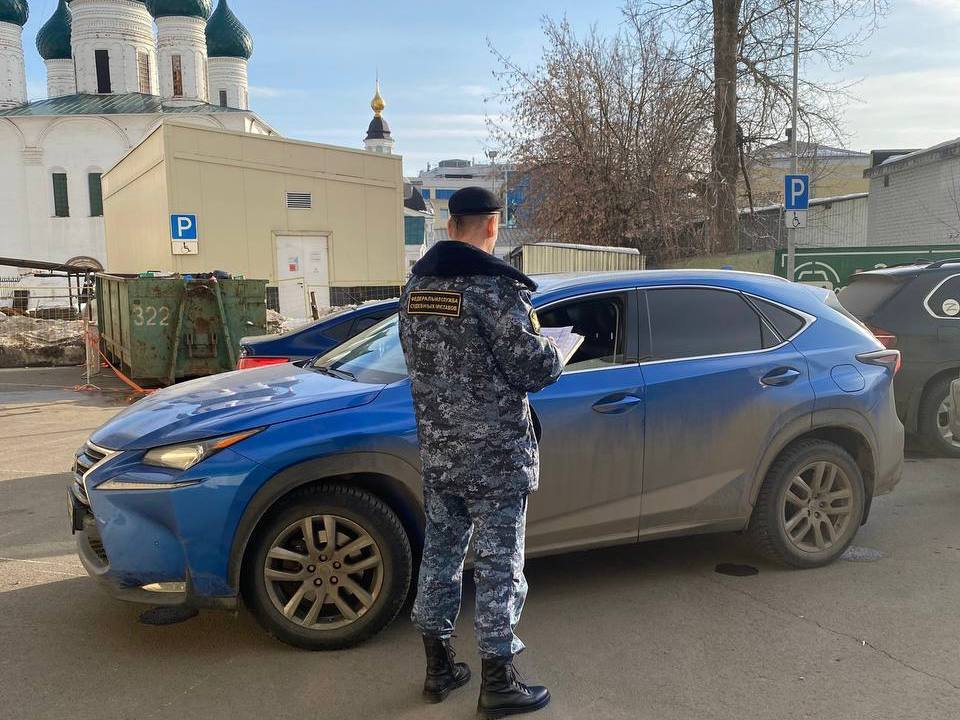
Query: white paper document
566,339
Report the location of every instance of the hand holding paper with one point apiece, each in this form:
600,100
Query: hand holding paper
568,342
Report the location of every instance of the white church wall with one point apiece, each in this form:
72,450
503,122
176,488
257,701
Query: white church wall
13,81
124,29
14,234
229,75
183,36
61,78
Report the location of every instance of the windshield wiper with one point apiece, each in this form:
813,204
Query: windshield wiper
335,372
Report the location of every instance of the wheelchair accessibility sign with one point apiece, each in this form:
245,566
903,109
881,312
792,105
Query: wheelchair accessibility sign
183,234
796,200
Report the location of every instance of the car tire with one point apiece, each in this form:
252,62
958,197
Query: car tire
365,601
930,419
789,529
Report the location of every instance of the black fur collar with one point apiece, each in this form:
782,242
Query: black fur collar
451,258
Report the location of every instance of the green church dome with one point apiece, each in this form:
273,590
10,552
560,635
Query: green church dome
15,12
180,8
53,39
226,35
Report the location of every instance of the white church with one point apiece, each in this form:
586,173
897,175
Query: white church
114,69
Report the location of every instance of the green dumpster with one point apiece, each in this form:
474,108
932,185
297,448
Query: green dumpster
159,330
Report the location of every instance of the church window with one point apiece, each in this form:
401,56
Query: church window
177,63
96,194
102,58
143,69
223,98
61,200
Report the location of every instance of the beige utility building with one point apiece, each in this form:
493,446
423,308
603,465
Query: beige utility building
323,224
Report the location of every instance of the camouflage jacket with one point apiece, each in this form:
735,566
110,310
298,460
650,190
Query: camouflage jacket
473,350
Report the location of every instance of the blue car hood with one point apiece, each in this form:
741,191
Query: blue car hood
229,403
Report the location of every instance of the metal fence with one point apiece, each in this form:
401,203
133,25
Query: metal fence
53,298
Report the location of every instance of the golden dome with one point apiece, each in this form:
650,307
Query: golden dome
377,104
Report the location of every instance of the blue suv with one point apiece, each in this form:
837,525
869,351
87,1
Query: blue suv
699,402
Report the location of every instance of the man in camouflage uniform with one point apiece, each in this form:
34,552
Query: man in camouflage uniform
473,350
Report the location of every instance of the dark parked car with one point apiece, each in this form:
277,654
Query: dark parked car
699,402
916,309
312,339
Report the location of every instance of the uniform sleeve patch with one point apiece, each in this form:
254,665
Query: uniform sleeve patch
535,321
435,302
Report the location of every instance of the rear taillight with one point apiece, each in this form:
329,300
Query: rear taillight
886,338
245,363
884,358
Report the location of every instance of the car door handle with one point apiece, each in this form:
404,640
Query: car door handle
616,404
780,376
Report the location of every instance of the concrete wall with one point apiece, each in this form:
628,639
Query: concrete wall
236,184
916,205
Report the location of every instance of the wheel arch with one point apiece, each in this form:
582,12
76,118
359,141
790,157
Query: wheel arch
912,422
846,428
391,479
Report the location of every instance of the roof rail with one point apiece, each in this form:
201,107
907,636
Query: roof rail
941,263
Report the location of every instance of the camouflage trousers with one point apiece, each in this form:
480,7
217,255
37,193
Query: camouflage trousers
498,525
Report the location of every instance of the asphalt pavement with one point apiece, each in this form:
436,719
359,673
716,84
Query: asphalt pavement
646,631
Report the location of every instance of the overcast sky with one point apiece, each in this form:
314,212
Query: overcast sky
315,61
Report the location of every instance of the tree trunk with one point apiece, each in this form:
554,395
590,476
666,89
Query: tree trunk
723,191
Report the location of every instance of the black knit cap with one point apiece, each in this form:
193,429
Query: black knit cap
474,201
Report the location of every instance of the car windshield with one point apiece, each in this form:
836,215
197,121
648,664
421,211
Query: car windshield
374,356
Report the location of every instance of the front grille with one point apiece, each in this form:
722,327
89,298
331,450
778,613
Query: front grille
88,456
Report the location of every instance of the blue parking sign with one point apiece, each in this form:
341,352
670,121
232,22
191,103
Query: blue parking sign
183,227
796,192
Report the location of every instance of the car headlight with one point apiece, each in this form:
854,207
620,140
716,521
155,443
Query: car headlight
185,456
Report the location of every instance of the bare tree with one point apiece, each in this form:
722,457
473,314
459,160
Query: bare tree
611,136
745,48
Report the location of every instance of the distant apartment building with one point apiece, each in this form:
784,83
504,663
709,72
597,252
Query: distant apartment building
438,184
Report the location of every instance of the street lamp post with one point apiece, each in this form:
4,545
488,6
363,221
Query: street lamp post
795,164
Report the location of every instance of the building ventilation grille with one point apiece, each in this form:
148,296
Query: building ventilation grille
299,200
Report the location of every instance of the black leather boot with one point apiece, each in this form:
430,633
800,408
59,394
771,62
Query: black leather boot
443,674
502,693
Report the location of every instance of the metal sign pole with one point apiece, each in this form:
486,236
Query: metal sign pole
791,232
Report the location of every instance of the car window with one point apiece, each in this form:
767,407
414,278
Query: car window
693,322
944,301
864,295
373,356
363,323
785,322
602,322
340,331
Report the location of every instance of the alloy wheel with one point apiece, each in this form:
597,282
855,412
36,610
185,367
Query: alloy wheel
323,572
943,422
817,507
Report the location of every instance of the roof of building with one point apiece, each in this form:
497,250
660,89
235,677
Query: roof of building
53,39
378,129
180,8
935,153
226,35
15,12
412,199
121,104
808,150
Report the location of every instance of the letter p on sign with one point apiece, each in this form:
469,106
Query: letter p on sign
796,191
183,227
